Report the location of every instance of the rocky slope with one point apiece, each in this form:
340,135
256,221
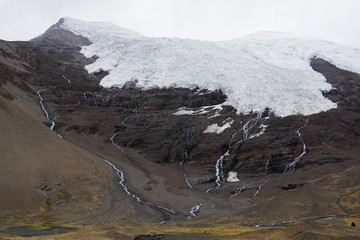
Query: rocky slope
165,142
38,169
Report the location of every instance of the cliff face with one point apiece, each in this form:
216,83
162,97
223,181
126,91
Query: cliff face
168,125
57,37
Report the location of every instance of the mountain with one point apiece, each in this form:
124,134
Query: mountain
38,169
255,131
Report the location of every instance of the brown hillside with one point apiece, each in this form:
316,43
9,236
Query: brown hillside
36,164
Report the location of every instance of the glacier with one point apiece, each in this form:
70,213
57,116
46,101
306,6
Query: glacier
259,71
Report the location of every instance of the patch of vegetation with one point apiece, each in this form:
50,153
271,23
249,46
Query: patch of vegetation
349,201
64,195
47,204
51,225
99,196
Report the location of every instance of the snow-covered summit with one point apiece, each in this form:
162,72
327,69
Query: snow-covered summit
98,31
264,70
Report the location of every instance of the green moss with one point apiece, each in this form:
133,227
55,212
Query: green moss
50,225
48,204
99,196
64,195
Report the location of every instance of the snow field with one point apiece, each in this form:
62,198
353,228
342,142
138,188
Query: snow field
263,70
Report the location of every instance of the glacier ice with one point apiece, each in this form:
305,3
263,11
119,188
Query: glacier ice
263,70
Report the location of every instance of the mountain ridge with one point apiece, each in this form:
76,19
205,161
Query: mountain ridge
164,160
255,74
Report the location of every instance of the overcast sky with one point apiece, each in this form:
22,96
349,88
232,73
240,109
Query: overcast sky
333,20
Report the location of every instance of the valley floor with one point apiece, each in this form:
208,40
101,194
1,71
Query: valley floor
322,208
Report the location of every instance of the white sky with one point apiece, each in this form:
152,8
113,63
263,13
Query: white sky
333,20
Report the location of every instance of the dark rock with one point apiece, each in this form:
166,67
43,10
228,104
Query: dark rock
101,74
150,237
94,129
292,186
145,119
239,191
58,37
44,187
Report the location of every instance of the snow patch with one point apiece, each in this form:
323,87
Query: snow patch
202,110
232,177
187,111
215,128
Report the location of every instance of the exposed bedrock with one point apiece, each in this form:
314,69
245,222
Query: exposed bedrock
167,125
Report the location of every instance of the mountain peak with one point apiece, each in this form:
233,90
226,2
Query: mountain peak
97,29
59,36
260,71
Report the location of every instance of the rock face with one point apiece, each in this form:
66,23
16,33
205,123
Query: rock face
58,37
151,121
168,125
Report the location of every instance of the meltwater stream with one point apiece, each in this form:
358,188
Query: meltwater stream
290,168
117,146
259,183
293,221
195,209
122,178
133,195
249,125
257,190
46,112
68,80
119,173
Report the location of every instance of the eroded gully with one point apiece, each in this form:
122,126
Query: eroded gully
220,179
246,128
290,168
164,211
